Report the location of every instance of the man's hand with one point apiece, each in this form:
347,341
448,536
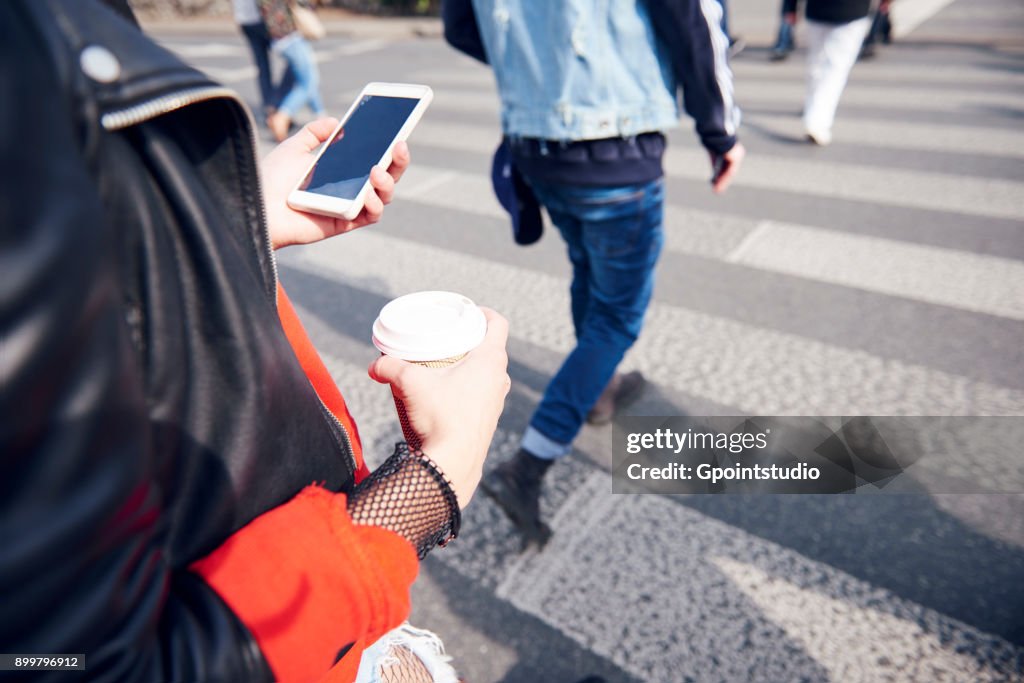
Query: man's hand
455,409
724,168
283,167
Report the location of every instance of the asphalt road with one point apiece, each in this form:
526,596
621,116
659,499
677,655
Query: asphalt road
880,275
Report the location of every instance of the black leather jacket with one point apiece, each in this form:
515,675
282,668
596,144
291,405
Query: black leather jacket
150,402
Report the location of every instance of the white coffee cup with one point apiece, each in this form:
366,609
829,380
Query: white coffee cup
433,329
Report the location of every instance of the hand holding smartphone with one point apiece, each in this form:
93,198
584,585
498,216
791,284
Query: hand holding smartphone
337,181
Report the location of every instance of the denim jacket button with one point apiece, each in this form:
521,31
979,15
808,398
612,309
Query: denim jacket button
99,64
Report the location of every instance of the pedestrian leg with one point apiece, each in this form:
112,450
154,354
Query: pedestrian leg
832,51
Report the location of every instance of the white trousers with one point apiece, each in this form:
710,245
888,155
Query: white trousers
832,50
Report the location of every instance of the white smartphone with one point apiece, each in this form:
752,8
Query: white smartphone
383,115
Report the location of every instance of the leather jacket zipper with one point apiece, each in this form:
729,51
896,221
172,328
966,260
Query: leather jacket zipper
165,104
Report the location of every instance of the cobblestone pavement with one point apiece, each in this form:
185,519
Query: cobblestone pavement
881,275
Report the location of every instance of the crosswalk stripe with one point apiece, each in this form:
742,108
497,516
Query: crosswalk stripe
190,50
921,136
712,597
231,75
688,231
783,90
907,16
874,73
753,369
896,187
972,282
349,49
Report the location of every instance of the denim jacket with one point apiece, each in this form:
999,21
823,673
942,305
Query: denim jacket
590,69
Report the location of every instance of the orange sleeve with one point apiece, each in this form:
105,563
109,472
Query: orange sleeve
303,578
307,582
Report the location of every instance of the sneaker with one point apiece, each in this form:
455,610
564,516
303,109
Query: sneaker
620,393
515,486
821,138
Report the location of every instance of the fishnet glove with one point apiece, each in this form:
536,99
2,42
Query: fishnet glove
409,495
406,668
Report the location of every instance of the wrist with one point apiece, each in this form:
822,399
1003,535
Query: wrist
410,495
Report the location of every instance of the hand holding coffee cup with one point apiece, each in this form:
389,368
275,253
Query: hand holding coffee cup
445,360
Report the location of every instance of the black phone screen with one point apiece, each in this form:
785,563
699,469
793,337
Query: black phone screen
345,165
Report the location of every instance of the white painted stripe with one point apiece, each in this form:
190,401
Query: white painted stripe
423,188
882,71
205,50
247,71
863,93
755,370
350,49
737,253
449,99
231,75
971,282
475,78
809,176
907,15
707,597
919,136
467,192
893,187
479,138
687,231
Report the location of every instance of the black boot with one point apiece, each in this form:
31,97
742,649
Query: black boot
515,486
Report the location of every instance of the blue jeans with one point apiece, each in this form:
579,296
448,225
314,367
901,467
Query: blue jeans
259,45
299,54
614,236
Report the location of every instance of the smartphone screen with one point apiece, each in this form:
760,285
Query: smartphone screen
345,165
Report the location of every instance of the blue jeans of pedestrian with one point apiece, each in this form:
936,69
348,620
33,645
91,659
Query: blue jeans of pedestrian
299,54
614,236
259,45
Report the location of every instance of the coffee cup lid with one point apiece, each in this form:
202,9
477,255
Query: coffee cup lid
429,326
